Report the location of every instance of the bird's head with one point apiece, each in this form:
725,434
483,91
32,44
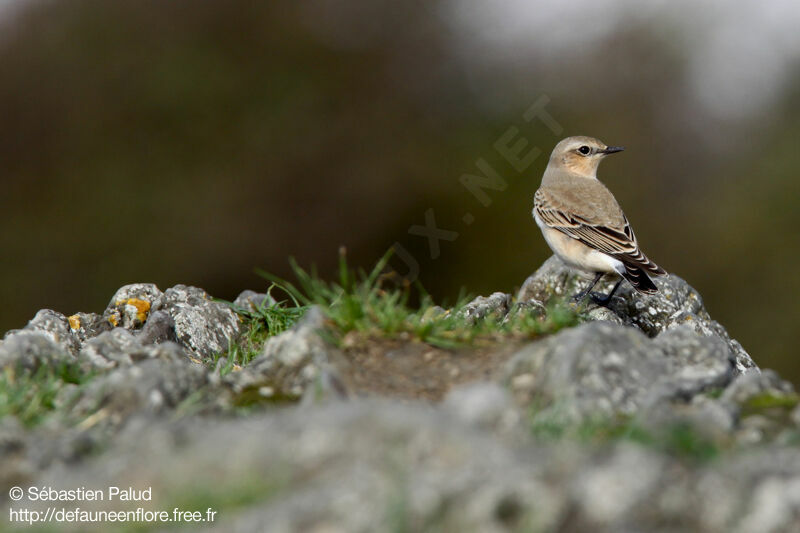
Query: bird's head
581,155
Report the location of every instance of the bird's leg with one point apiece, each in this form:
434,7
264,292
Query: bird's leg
581,295
602,300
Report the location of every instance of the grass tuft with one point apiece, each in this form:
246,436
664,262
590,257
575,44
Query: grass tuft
266,320
678,439
369,303
770,400
32,395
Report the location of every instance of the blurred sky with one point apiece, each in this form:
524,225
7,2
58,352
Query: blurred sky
191,142
740,54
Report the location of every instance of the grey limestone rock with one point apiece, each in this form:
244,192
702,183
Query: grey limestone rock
376,466
182,313
160,327
85,326
119,347
57,327
488,405
695,364
328,385
753,386
110,349
204,326
676,304
474,462
138,315
605,369
765,406
289,363
131,305
152,386
31,349
553,281
496,304
252,300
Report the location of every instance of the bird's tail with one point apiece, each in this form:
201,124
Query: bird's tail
642,262
639,279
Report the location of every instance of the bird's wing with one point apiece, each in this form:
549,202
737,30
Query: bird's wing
610,233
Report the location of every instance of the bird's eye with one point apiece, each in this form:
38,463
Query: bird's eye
584,150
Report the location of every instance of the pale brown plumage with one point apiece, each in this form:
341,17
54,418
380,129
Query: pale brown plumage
585,210
572,202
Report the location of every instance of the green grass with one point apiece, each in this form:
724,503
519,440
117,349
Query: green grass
32,395
774,406
769,400
265,321
714,393
678,439
371,304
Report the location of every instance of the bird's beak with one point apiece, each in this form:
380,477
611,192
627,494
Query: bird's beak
611,149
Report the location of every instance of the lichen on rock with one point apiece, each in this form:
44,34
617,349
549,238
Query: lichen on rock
675,304
645,416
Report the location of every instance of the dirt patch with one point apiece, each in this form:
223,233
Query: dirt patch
415,370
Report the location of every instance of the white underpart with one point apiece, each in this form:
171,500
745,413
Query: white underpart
576,254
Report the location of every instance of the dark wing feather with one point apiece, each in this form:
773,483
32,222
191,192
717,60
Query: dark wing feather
620,244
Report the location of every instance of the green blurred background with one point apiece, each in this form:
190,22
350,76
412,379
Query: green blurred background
189,142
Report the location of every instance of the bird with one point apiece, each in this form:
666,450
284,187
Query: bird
584,225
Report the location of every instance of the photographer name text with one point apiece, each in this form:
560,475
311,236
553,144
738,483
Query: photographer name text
83,494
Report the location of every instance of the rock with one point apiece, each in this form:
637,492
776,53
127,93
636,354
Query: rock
695,364
335,468
289,364
31,349
434,311
110,349
85,326
16,469
160,327
183,314
119,347
603,497
153,386
606,426
328,386
676,304
701,418
553,281
164,351
530,307
252,300
204,326
131,305
603,369
487,405
596,368
764,406
381,466
496,305
759,387
57,327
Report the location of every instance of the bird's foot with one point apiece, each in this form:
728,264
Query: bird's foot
581,295
603,300
578,298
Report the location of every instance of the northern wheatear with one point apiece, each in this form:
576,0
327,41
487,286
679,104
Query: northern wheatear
583,223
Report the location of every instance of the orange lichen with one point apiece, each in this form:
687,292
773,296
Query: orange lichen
74,322
142,308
